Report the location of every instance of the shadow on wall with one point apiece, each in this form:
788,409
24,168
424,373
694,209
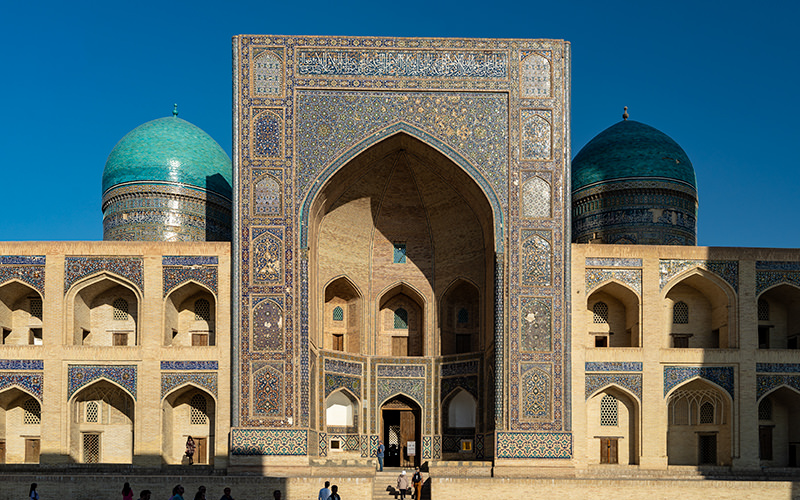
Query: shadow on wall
218,218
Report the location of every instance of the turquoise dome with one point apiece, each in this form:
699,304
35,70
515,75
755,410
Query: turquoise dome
169,150
631,150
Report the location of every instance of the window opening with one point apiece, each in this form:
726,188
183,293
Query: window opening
463,316
32,413
198,414
609,411
601,341
680,341
401,319
199,339
338,342
92,412
338,314
680,313
36,308
600,312
707,413
120,339
765,409
6,334
202,310
399,253
763,310
120,310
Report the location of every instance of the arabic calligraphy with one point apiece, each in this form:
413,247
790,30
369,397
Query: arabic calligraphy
404,63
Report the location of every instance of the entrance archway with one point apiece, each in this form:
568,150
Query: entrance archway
401,419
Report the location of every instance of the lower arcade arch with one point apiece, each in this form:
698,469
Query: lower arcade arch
699,429
400,430
20,426
459,416
101,424
342,422
778,432
613,416
188,412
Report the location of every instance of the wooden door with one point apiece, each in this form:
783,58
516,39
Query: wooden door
32,448
608,450
765,442
408,428
201,452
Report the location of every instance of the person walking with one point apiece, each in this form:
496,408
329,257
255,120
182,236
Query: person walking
417,481
145,495
201,493
32,493
325,492
190,446
402,484
226,494
127,492
177,493
334,493
380,454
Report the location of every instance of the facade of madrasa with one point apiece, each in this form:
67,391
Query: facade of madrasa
413,259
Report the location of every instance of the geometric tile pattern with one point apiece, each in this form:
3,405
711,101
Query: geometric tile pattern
21,364
613,366
629,381
267,327
460,368
323,444
536,198
267,390
426,447
30,382
766,383
76,268
776,367
267,196
189,260
414,388
534,68
83,375
536,134
534,445
468,383
479,446
175,276
416,371
720,375
536,388
630,277
261,442
335,382
26,268
339,366
170,381
769,274
536,324
728,270
268,72
536,258
267,255
268,133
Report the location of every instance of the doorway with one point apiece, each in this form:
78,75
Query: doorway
400,420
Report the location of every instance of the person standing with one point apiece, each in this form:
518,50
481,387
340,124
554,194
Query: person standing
402,484
32,493
190,446
144,495
325,492
201,493
380,454
417,481
127,492
177,493
334,493
226,494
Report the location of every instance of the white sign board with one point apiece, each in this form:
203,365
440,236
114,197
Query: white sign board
411,448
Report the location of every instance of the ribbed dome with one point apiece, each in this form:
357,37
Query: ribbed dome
631,150
169,150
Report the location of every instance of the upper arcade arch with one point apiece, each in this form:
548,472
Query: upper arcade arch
779,317
190,316
460,318
343,316
613,316
21,311
103,310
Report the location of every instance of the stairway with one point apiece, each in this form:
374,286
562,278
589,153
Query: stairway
385,485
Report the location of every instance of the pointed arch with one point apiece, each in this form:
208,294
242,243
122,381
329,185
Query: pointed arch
618,324
188,410
611,386
90,312
778,318
20,313
182,326
342,321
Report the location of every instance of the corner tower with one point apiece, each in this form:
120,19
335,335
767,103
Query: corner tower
167,180
633,184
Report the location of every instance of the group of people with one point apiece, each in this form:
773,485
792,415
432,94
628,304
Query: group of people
329,492
403,486
177,493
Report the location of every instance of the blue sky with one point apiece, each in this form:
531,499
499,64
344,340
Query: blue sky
719,78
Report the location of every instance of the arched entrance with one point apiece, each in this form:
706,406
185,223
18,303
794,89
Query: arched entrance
400,428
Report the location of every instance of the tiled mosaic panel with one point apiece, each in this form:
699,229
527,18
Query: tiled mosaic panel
323,444
630,277
267,326
536,324
613,366
728,270
21,364
269,442
468,383
176,276
29,382
28,269
480,449
536,134
536,391
720,375
267,133
340,366
267,255
535,73
414,388
171,381
534,445
267,196
336,382
537,259
268,390
774,367
766,383
189,365
130,268
536,198
189,260
415,371
612,262
460,368
82,375
769,274
268,71
630,381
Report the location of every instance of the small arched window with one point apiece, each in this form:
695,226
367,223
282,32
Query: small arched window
338,314
763,310
600,310
120,309
609,411
198,414
680,313
92,412
401,319
707,413
765,409
32,412
463,316
202,310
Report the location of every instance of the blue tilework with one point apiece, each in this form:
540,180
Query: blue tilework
629,381
169,381
728,270
323,444
21,364
612,262
416,371
720,375
766,383
536,324
772,265
613,366
534,445
537,259
468,383
413,388
427,447
130,268
28,269
189,365
267,133
766,279
191,260
261,442
30,382
22,260
82,375
630,277
176,276
535,392
340,366
268,390
778,367
335,382
460,368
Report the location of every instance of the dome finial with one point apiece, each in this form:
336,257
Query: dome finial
175,110
624,114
